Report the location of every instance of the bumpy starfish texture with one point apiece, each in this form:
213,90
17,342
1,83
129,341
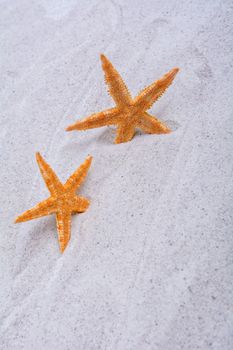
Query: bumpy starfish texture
129,113
63,200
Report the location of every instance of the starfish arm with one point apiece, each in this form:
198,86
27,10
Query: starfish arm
80,205
151,125
43,208
64,228
78,176
50,178
96,120
125,133
153,92
117,88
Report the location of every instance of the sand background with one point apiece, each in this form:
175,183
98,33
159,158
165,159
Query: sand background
150,264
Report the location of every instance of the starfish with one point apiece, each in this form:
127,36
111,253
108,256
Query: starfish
63,200
129,113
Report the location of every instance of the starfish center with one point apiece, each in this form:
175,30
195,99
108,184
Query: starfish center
65,200
132,116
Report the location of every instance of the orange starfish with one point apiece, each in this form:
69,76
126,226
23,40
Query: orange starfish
63,200
129,113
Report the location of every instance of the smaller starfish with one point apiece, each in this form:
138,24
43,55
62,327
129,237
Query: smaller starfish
129,113
63,200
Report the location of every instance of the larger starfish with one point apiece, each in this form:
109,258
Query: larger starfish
129,113
63,200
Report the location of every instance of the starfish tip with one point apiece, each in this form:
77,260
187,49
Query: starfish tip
117,142
102,57
63,247
88,160
38,156
89,157
175,70
72,127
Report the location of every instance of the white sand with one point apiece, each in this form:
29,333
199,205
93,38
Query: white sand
150,264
